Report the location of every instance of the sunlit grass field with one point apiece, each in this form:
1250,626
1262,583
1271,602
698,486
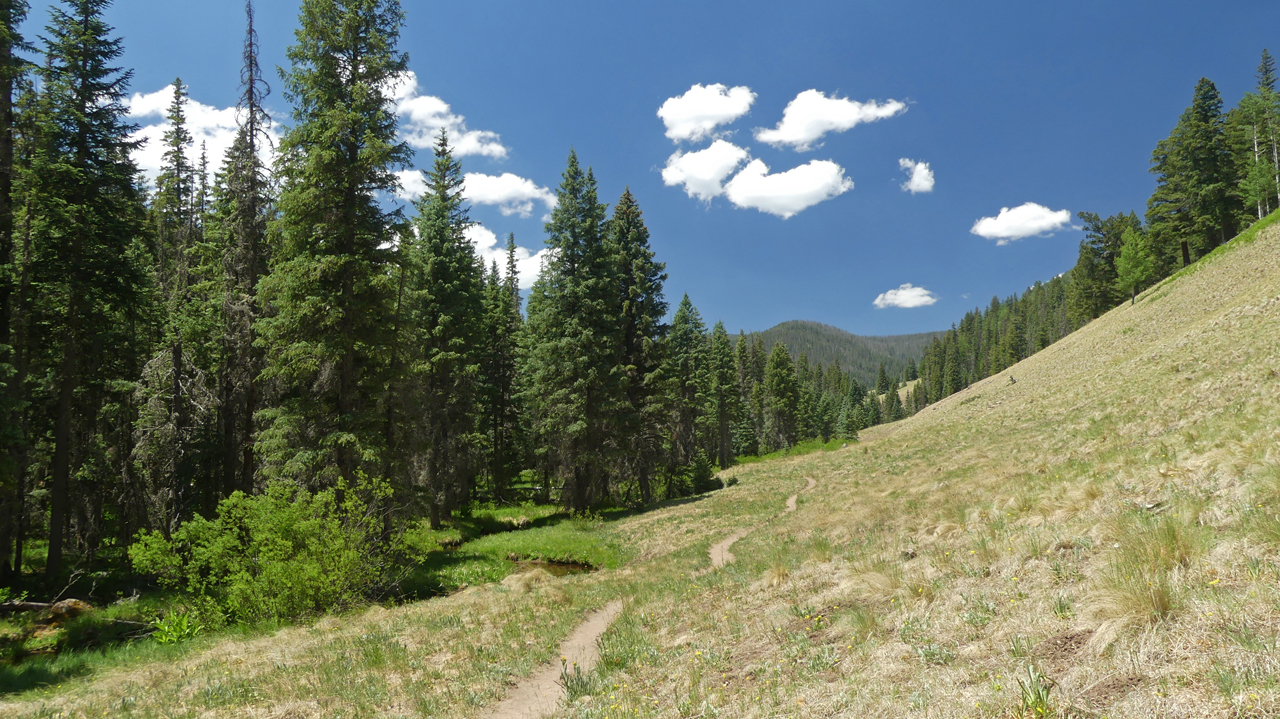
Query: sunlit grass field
1101,538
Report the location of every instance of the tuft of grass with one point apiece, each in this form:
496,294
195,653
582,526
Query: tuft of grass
1063,607
1035,701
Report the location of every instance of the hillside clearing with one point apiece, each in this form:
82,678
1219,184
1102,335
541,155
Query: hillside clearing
1112,520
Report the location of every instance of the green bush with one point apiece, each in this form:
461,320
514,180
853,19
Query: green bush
276,556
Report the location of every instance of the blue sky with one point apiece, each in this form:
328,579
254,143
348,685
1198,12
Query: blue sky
1057,104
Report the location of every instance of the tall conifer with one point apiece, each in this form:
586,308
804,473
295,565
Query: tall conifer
329,287
85,260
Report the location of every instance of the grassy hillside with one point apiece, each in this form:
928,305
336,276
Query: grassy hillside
1101,538
857,354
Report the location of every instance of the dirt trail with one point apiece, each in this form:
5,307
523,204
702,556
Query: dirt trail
719,552
791,501
539,695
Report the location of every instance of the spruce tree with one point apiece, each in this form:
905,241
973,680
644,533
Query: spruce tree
500,411
12,442
571,345
687,372
725,402
1196,202
782,400
441,344
86,263
243,203
330,290
642,308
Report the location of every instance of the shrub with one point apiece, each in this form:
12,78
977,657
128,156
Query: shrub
275,556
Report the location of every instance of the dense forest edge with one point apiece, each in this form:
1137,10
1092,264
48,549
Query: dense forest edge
251,394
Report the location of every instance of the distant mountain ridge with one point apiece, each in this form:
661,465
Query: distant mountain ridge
858,354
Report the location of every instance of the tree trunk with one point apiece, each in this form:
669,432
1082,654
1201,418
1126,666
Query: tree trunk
1186,254
60,468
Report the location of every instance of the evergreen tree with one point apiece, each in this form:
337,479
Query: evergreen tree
570,345
12,442
640,278
177,404
1196,202
725,405
243,203
500,411
439,346
1136,265
329,287
782,399
688,373
86,263
882,380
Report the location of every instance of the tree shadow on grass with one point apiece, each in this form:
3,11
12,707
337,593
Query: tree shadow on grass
40,672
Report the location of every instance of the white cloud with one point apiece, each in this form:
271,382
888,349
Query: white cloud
528,264
423,116
787,193
693,115
703,172
412,184
1022,221
215,127
921,179
514,195
812,114
906,296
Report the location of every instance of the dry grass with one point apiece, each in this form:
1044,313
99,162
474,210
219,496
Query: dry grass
1112,520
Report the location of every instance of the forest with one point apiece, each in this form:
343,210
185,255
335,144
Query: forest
272,351
1216,174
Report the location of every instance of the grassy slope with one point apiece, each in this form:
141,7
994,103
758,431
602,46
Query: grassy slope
1111,519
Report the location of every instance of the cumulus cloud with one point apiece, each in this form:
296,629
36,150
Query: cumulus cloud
703,172
1022,221
695,114
528,264
786,193
514,195
906,296
214,127
921,177
812,114
423,116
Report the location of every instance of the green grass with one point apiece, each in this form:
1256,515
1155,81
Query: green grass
807,447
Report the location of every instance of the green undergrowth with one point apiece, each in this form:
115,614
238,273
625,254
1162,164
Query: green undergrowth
802,448
560,538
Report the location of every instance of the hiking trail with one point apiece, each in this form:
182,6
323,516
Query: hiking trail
539,694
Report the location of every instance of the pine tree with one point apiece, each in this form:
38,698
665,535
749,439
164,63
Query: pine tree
640,279
571,345
86,262
329,286
782,399
882,380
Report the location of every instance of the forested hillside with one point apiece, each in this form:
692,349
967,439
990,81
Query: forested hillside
194,368
859,355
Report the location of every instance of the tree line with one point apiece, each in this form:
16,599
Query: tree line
1217,173
283,329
